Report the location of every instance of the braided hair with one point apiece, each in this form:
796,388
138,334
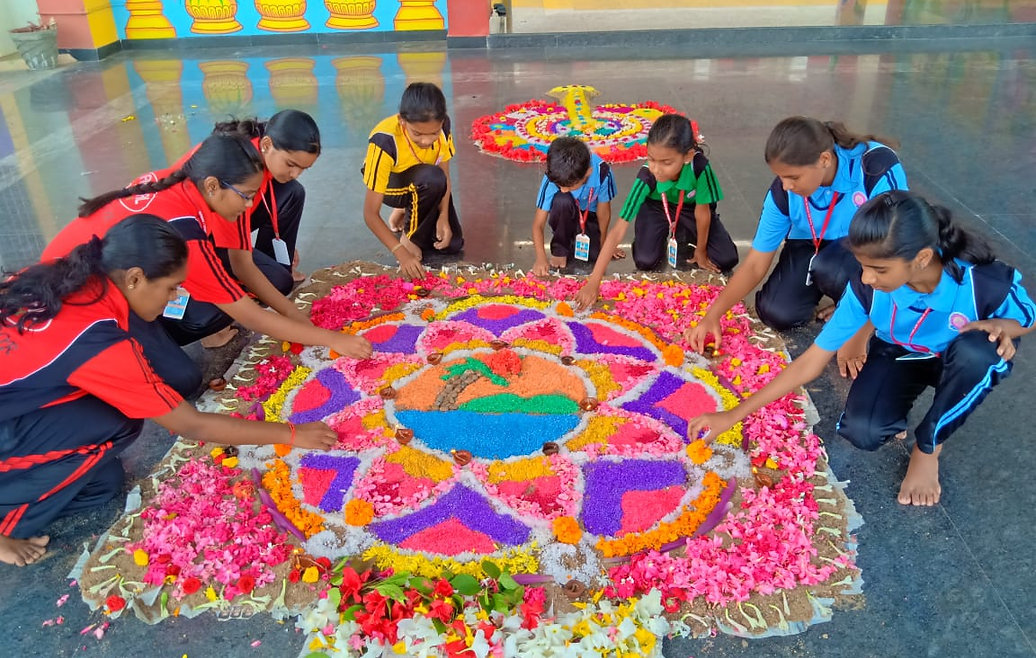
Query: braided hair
36,294
231,158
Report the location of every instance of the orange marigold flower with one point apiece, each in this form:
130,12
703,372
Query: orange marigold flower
282,449
563,309
567,530
673,355
699,452
358,512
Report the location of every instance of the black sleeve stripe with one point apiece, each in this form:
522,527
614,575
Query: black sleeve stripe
992,283
605,170
386,143
876,164
863,292
150,375
219,272
699,162
780,197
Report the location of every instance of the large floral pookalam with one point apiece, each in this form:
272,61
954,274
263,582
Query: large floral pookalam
498,419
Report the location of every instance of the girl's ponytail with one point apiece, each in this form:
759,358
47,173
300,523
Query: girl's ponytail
36,294
229,157
249,128
955,242
90,206
799,141
899,224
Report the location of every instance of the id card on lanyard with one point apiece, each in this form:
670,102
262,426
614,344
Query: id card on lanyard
671,246
817,239
917,352
280,247
583,240
176,309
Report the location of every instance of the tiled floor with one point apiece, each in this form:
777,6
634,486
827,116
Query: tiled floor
954,580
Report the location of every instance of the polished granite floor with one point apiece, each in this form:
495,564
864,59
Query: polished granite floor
953,580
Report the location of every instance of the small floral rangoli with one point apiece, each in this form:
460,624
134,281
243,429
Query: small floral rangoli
509,474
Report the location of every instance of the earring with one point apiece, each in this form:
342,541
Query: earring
131,286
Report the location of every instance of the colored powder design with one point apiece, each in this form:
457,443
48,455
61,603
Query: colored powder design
394,338
674,401
470,509
328,478
596,338
327,394
497,318
607,482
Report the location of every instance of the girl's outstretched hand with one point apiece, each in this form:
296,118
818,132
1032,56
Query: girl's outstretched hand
357,347
1000,331
696,336
587,295
708,426
315,436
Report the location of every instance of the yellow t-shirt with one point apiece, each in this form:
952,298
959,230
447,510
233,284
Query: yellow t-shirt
390,150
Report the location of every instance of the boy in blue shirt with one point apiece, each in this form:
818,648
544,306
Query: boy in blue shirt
946,314
575,200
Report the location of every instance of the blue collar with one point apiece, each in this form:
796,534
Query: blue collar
941,299
849,175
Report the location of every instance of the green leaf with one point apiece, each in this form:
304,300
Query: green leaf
394,592
507,582
317,654
439,626
422,585
466,584
490,569
334,597
350,613
500,602
485,602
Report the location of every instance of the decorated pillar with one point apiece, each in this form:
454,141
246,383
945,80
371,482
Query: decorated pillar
146,21
282,15
292,82
423,66
226,86
351,15
418,15
213,16
361,88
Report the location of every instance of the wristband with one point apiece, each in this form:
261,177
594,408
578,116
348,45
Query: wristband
398,245
291,426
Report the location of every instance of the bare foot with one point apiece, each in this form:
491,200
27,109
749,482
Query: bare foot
921,483
396,219
558,261
220,338
21,552
824,314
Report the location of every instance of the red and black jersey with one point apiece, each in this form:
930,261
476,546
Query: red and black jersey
236,235
83,350
182,206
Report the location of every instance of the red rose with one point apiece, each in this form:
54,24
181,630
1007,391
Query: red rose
115,603
246,584
443,588
293,577
191,585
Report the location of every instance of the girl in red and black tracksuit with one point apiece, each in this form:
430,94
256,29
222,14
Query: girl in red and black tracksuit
201,199
288,144
75,386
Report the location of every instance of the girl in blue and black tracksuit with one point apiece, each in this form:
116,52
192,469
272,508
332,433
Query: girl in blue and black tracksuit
946,314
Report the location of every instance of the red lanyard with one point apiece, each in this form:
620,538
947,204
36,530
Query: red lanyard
414,152
910,340
583,214
827,220
271,210
672,220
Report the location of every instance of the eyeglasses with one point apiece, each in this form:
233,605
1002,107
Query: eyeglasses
246,197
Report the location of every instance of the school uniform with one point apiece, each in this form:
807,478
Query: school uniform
812,231
73,395
695,185
917,344
410,178
275,213
574,212
208,281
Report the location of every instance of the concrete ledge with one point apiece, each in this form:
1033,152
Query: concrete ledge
757,37
241,41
